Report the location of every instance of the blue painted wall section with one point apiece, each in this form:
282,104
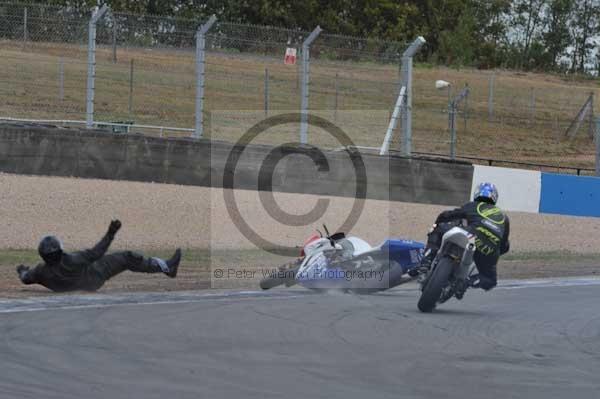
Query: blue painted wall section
570,195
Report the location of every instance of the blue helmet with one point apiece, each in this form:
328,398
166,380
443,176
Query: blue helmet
486,192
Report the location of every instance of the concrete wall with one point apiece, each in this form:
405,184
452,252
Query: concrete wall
570,195
519,189
532,191
39,150
52,151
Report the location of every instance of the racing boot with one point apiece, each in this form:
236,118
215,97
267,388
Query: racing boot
173,263
425,264
168,267
460,288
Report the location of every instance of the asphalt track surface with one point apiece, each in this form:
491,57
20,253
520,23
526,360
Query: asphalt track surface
528,339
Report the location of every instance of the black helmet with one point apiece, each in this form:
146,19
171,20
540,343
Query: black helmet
50,249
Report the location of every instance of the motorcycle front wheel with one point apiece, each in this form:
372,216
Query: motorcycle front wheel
435,284
286,274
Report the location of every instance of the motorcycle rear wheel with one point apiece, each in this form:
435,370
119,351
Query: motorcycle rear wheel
435,284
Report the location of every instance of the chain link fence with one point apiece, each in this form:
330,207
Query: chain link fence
43,61
246,71
507,116
146,75
145,71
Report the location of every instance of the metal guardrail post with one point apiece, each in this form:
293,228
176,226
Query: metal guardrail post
407,65
200,65
491,98
114,41
130,102
452,111
305,82
452,127
597,142
592,117
266,92
91,72
61,79
25,26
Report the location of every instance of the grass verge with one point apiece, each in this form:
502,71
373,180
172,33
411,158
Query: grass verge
243,269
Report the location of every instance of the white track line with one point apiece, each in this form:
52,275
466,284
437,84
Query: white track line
95,301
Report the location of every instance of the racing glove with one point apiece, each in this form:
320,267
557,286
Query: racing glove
22,269
115,225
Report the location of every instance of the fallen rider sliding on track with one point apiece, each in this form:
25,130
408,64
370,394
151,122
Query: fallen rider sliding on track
89,269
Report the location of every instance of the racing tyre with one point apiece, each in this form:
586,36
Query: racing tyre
435,284
271,282
286,275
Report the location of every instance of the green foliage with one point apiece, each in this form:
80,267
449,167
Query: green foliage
523,34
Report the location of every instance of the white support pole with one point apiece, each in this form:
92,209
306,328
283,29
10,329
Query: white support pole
393,122
305,82
200,67
91,72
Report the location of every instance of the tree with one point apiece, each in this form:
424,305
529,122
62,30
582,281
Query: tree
457,46
584,26
557,38
526,21
490,31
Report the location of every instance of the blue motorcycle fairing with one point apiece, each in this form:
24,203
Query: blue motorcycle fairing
406,253
403,255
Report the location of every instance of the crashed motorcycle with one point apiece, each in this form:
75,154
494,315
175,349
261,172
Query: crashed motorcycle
349,264
450,270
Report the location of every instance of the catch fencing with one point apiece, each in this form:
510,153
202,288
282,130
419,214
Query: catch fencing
152,77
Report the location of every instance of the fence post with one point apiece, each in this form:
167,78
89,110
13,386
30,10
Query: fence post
452,111
130,104
400,75
466,108
266,92
592,114
532,107
597,141
335,100
491,98
452,127
61,79
24,26
298,74
407,64
305,82
114,41
200,57
91,72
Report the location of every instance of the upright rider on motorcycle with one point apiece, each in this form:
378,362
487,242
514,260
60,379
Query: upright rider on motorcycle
490,226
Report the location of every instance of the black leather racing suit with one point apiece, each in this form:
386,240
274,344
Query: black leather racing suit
491,228
88,269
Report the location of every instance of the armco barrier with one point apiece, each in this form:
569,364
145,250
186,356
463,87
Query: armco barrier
570,195
39,150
